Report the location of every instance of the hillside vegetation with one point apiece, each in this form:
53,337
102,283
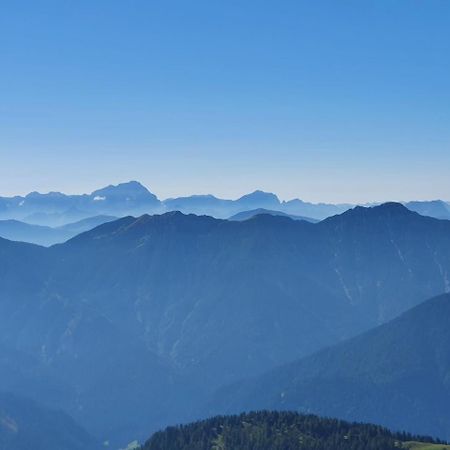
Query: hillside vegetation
281,431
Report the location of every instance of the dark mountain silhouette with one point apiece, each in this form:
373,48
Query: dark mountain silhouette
396,375
182,304
245,215
26,425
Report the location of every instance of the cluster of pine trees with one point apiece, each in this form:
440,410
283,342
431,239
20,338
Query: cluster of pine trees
278,431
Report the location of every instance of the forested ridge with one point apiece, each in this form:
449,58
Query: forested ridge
267,430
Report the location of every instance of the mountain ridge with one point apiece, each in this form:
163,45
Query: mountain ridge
205,302
132,198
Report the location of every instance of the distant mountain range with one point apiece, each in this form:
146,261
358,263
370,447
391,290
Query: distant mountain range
156,313
435,208
56,209
43,235
131,198
396,375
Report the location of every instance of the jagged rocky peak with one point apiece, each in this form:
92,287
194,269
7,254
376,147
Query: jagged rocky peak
131,189
260,198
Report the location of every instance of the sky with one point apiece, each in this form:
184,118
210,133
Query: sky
336,101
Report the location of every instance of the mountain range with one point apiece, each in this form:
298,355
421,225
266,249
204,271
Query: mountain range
16,230
132,198
135,324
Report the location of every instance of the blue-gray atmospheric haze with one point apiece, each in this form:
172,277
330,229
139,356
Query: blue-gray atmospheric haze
325,100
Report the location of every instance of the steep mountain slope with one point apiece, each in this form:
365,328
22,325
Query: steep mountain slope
192,287
26,425
279,431
397,374
62,352
183,304
245,215
382,251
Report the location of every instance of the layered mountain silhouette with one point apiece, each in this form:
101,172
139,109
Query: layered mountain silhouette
56,209
132,198
397,375
134,323
434,208
16,230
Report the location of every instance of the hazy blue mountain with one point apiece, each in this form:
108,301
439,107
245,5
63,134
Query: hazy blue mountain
31,376
124,198
86,224
201,205
221,208
191,287
26,425
437,208
396,374
317,211
132,198
60,351
181,304
37,234
43,235
245,215
258,199
54,219
56,209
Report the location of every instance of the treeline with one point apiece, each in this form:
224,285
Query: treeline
266,430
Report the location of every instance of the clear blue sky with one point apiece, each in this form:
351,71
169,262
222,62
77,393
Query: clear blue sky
323,100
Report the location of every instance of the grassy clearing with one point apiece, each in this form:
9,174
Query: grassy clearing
425,446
